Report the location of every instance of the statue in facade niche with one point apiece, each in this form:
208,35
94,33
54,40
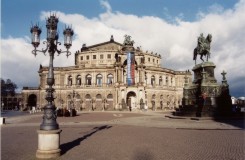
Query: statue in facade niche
117,57
203,47
128,41
142,103
142,60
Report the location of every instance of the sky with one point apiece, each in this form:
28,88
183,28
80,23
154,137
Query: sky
166,27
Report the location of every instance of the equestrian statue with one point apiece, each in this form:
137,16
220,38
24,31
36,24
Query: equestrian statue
203,47
128,41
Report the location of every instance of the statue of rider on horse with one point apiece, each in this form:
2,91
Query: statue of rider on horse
203,47
128,41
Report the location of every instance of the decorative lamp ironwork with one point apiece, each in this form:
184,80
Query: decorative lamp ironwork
35,32
51,25
68,33
49,118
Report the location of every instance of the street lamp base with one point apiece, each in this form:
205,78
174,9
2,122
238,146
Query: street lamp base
48,154
48,144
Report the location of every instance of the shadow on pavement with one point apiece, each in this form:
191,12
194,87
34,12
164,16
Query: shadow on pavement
236,119
143,154
236,122
68,146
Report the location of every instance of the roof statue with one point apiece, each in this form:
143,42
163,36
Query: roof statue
203,47
128,41
112,38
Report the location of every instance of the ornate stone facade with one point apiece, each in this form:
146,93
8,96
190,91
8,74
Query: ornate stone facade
99,79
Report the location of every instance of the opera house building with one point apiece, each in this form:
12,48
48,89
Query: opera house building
107,76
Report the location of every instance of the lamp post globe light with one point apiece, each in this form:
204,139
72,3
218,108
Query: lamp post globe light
49,133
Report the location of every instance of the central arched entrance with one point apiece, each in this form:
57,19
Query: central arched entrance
131,100
32,101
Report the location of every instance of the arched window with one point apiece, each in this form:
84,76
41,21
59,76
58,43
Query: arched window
87,97
110,96
88,79
98,97
79,82
69,80
161,97
99,80
69,97
153,97
160,80
109,79
152,80
78,97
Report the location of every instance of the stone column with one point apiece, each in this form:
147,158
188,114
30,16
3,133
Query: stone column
140,76
116,77
116,98
119,74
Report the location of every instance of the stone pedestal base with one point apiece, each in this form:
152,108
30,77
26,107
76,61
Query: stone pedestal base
48,144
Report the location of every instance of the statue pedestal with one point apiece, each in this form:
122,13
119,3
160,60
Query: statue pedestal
200,97
48,144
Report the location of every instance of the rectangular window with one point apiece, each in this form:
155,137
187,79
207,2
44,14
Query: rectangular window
108,56
89,82
99,82
149,59
160,82
101,56
109,81
94,56
81,58
87,57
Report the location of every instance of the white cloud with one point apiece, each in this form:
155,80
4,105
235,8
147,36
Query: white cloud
175,42
106,5
18,63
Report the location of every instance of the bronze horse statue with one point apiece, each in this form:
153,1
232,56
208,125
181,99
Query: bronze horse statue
203,47
128,41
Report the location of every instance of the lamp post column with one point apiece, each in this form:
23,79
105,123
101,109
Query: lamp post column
49,129
49,133
49,117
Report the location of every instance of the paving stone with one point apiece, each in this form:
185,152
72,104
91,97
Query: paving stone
129,136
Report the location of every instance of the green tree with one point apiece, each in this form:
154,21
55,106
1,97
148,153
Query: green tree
8,87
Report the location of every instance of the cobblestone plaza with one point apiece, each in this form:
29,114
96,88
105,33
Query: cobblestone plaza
128,136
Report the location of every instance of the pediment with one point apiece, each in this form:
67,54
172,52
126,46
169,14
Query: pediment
106,46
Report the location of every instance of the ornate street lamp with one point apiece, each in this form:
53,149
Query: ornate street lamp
49,123
49,118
